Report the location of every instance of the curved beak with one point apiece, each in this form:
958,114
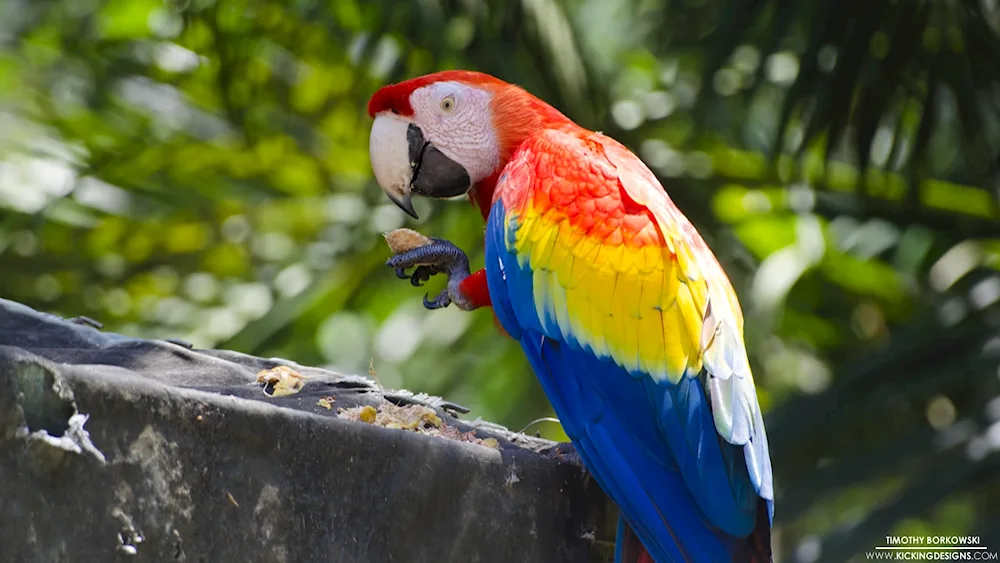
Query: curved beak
406,163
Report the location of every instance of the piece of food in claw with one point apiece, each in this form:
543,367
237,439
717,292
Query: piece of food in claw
326,402
280,381
405,240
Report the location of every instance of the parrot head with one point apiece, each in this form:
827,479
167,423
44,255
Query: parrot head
441,134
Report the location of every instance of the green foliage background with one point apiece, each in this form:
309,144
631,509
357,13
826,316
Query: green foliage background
199,169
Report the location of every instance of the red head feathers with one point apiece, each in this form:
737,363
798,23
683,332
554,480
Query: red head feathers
396,97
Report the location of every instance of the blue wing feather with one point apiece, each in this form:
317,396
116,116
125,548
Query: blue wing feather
686,422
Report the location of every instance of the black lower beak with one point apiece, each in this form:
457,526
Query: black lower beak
434,174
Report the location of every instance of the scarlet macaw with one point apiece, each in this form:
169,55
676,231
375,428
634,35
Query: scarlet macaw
625,315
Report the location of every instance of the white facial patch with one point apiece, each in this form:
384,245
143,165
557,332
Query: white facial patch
462,131
389,150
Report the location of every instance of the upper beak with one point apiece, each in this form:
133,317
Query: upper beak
406,163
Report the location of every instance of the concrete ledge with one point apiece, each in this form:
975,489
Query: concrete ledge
113,448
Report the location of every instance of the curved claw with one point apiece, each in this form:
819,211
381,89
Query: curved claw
442,300
422,274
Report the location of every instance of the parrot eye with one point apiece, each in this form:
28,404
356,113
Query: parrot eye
448,104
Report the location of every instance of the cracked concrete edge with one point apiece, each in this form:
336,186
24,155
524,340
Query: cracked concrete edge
563,516
83,336
44,408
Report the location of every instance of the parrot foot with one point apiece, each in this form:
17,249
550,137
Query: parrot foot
564,452
439,257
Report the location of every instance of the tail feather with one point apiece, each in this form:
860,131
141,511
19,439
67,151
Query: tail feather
757,548
628,547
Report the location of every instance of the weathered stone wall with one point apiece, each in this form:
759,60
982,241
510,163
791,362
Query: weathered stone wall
119,449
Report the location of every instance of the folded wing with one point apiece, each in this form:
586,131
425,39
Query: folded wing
637,337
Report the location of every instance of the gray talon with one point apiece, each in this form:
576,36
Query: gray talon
442,300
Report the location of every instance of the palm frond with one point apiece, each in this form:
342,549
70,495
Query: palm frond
865,65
